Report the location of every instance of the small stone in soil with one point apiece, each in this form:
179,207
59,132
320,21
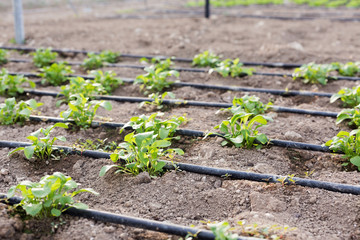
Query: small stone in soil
143,177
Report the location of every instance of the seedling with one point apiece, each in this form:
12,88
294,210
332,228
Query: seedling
349,97
109,56
93,61
55,74
350,114
3,56
12,112
82,111
241,131
289,179
12,85
43,57
248,104
349,69
165,65
349,144
162,128
222,231
233,68
98,144
42,147
107,80
155,80
80,86
313,73
141,152
157,101
206,59
49,197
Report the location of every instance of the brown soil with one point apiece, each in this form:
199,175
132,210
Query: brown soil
182,197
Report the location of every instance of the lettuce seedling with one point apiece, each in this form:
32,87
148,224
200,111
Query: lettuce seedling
349,144
158,100
12,85
241,130
55,74
206,59
49,197
349,69
12,112
222,231
82,111
3,56
109,56
42,147
165,65
162,128
155,80
350,114
248,104
233,68
107,80
142,153
94,61
314,73
43,57
349,97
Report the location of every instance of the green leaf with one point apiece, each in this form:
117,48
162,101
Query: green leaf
25,112
61,138
80,206
262,138
11,191
355,160
33,209
161,143
106,105
106,168
55,212
61,125
40,192
164,133
159,166
29,151
15,150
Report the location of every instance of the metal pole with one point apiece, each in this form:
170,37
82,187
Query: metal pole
19,22
207,8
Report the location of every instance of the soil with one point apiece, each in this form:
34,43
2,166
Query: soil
181,197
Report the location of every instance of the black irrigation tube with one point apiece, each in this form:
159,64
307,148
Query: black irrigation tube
173,229
268,178
198,70
188,60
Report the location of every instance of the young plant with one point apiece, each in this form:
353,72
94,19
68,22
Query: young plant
82,111
349,69
155,80
241,130
313,73
42,147
233,68
248,104
107,80
12,85
109,56
55,74
79,85
44,57
349,97
157,101
49,197
98,144
222,231
141,153
94,61
350,114
12,112
206,59
349,144
162,128
3,56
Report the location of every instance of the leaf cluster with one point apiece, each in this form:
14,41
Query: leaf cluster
83,111
42,144
206,59
95,61
164,64
43,57
248,104
3,56
349,69
241,130
49,197
313,73
107,80
233,68
158,99
12,85
12,112
349,144
55,74
349,96
350,114
155,80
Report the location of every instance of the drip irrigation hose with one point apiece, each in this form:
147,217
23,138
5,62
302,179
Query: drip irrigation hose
188,60
335,187
173,229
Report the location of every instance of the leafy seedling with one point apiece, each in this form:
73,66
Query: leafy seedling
349,96
43,57
94,61
42,147
353,115
3,56
165,64
141,152
56,74
313,73
83,111
206,59
109,56
49,197
248,104
107,80
12,112
158,99
233,68
13,85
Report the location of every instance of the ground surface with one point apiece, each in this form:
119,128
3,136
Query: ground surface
186,198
